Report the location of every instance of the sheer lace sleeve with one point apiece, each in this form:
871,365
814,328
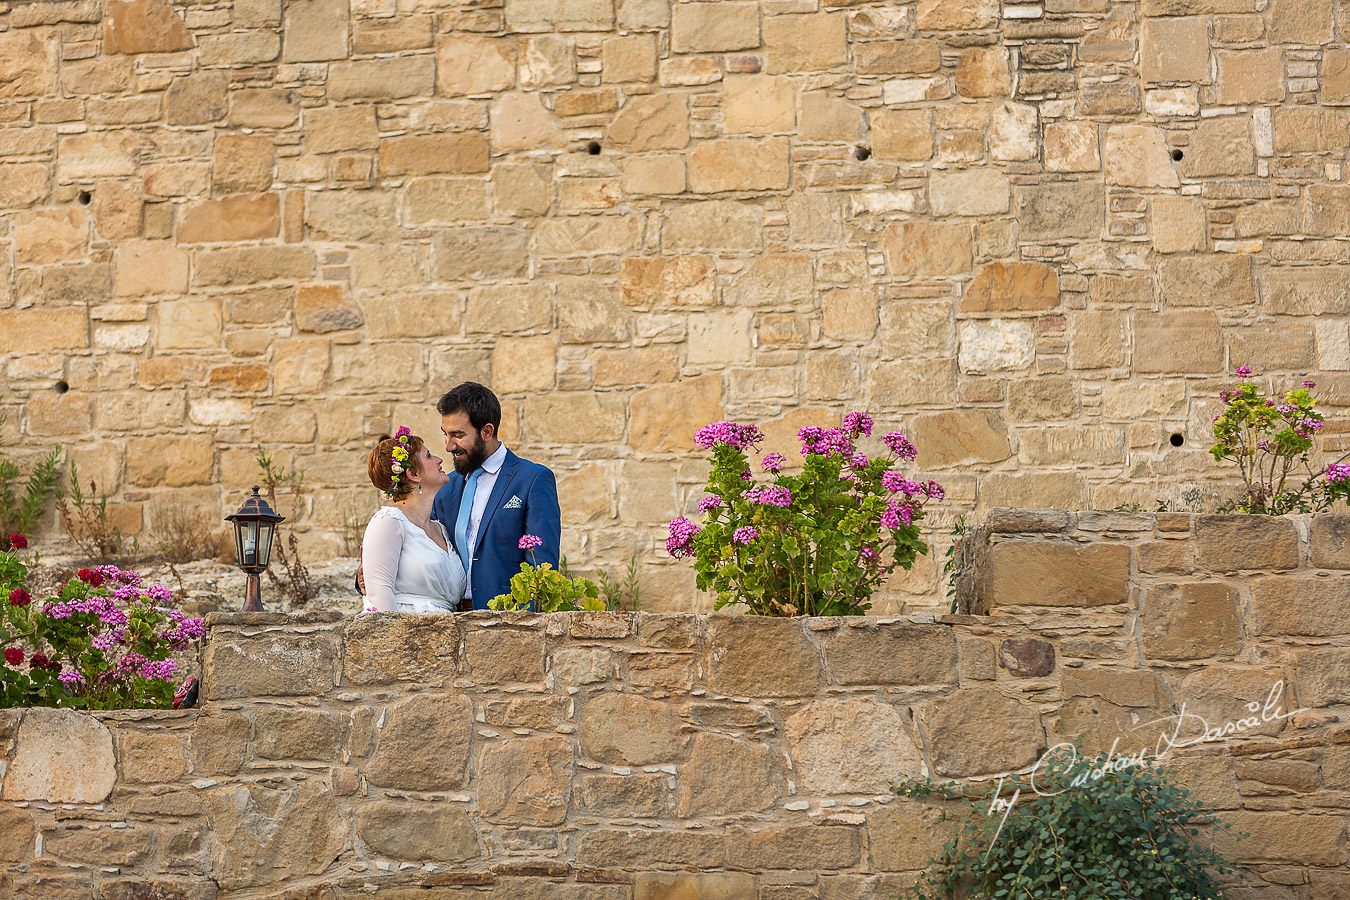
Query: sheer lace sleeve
380,552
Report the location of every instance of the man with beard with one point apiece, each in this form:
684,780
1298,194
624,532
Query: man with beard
497,498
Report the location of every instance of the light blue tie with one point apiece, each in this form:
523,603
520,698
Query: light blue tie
462,520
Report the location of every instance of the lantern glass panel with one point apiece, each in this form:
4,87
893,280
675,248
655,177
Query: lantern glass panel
265,531
248,554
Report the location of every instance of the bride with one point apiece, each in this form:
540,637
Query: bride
409,563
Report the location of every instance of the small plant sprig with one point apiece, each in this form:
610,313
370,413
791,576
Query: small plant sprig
295,582
1127,831
622,594
89,524
542,588
104,641
959,532
20,510
814,544
1272,443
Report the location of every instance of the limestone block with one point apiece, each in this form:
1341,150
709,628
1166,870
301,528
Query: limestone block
1306,291
149,757
242,217
1121,290
1329,541
559,15
769,658
219,743
584,235
526,781
242,164
482,253
804,43
624,729
171,460
725,776
382,78
149,267
640,14
405,32
1008,287
664,418
906,57
1137,156
1195,620
1221,694
1220,279
758,104
628,58
739,165
962,15
189,325
547,61
58,415
19,831
1305,22
995,345
197,99
471,64
654,122
1067,209
28,64
263,108
714,27
827,118
924,329
850,746
237,48
316,30
1071,147
672,281
1227,543
1284,604
1184,342
522,190
977,192
1324,209
500,656
808,846
287,424
143,26
713,225
1013,133
23,184
1178,225
902,135
1069,574
49,236
907,834
923,248
654,174
520,122
672,885
961,743
1220,146
60,756
1249,76
260,834
447,200
1042,397
101,847
236,665
423,744
141,410
633,849
1335,83
849,315
99,154
1310,130
1174,50
328,130
983,72
420,831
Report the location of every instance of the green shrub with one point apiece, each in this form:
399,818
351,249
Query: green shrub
1076,829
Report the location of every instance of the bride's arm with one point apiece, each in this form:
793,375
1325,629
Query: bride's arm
382,546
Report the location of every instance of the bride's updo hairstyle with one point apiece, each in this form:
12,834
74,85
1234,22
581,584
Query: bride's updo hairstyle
381,465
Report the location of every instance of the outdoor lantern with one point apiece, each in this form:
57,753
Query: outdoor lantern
254,524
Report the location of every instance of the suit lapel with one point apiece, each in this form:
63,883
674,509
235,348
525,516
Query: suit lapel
504,477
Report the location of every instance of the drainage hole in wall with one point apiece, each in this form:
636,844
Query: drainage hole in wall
61,387
860,152
84,197
1176,440
593,148
1177,155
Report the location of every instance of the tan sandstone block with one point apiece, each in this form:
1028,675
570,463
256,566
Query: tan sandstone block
1005,287
470,64
1178,224
655,174
1174,50
827,118
1186,342
27,64
341,128
664,418
1306,22
1310,130
1249,76
975,192
902,135
102,154
524,364
656,122
714,27
143,26
959,750
41,330
922,248
560,15
1195,620
628,58
956,15
434,154
23,184
1227,543
1097,339
1220,279
547,60
983,72
1071,147
242,163
1137,156
520,122
803,43
713,224
316,30
1220,146
189,324
322,308
59,414
50,235
678,281
242,217
381,78
1082,575
149,267
849,315
739,165
171,461
300,366
960,436
758,104
1335,82
572,418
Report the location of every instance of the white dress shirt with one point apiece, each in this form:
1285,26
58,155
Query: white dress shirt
481,492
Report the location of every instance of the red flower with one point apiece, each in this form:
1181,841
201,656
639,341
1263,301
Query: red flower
39,661
18,541
19,597
91,577
13,656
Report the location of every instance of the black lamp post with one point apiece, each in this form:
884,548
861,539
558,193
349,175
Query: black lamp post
254,524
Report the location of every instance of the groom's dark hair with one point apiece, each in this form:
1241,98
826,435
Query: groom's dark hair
481,405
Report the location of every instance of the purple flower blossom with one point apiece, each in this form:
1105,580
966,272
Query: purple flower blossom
70,678
745,534
730,433
681,539
1310,425
1309,383
1287,409
1338,472
529,542
160,594
824,441
858,461
1242,372
897,515
104,642
773,495
934,491
746,476
19,597
856,423
897,483
869,556
164,669
710,502
773,462
900,445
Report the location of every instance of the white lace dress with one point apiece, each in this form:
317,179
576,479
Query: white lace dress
407,571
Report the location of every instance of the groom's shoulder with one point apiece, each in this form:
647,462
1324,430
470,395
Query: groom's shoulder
530,466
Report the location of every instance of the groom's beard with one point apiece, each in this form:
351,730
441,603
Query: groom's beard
472,459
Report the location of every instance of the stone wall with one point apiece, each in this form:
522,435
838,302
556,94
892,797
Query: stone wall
648,757
1032,235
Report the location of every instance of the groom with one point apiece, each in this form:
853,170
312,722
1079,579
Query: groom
497,499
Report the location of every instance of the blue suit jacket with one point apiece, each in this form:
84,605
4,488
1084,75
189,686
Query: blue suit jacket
497,554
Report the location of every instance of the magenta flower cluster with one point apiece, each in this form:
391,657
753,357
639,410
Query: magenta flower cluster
900,445
730,433
712,501
680,541
824,441
530,542
1243,372
745,534
856,423
1338,473
770,495
773,462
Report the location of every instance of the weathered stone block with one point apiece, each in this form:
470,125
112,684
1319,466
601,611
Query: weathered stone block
296,734
902,135
1068,209
20,832
654,122
1329,541
239,218
474,253
1179,225
442,832
1220,279
434,154
1220,146
560,15
1005,287
276,663
1027,657
851,746
645,796
961,744
1249,76
650,849
1068,574
759,104
922,248
739,165
1226,543
1174,50
713,224
949,438
60,756
503,656
811,847
978,192
1185,341
1314,840
762,658
1192,620
714,27
907,834
263,835
219,743
622,729
674,886
316,30
660,417
423,745
803,43
728,777
143,26
1286,604
526,781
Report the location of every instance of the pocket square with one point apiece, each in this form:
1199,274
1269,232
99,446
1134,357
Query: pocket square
513,503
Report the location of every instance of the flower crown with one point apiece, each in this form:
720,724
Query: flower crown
398,461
